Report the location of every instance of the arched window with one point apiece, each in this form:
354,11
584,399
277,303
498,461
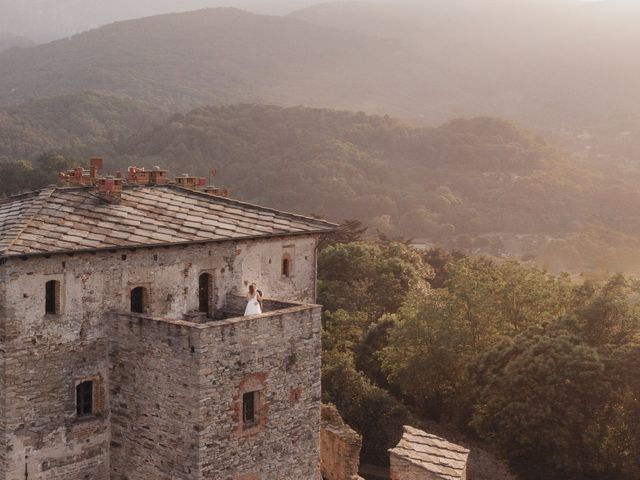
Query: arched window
139,300
204,293
286,265
52,297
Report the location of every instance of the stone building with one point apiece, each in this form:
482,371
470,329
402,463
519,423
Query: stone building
423,456
340,447
124,350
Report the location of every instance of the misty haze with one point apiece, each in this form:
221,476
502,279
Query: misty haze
456,182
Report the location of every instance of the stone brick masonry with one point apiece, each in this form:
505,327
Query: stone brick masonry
167,399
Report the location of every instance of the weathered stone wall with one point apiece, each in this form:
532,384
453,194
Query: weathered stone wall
177,386
93,284
44,355
45,438
3,356
401,469
154,392
280,355
339,447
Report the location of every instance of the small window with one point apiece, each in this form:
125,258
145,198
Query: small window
52,300
204,292
84,398
139,300
286,267
249,408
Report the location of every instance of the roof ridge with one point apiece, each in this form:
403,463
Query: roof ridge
31,212
252,205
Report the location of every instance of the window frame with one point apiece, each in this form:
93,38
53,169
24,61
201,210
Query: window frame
82,393
209,293
253,421
287,260
255,386
143,301
56,301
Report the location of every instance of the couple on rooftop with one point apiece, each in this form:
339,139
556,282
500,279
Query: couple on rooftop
254,301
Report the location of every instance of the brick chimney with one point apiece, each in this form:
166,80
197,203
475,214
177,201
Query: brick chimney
141,176
216,191
186,181
110,189
81,176
95,165
158,176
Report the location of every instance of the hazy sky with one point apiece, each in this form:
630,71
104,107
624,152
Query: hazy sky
45,20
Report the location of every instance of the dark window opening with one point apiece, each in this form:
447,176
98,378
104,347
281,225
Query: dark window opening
138,300
249,409
204,292
52,300
84,398
286,267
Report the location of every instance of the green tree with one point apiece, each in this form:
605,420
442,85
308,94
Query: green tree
21,176
372,278
425,356
606,313
343,330
538,399
621,444
372,411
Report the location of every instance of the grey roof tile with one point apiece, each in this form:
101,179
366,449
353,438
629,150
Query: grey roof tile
436,455
75,218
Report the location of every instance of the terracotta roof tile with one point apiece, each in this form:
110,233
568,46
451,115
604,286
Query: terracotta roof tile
75,218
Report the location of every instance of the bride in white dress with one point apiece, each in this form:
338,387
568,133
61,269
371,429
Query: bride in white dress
254,298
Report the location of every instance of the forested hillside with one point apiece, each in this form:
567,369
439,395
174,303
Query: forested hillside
475,185
542,368
215,56
8,40
479,184
80,125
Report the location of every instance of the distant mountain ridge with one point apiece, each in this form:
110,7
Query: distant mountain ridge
427,61
215,56
47,20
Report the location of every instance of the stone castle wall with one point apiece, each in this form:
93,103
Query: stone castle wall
175,388
279,355
154,392
44,355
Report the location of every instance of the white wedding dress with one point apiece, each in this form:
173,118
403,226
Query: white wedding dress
253,306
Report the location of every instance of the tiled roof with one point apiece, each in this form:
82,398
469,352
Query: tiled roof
77,219
434,454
